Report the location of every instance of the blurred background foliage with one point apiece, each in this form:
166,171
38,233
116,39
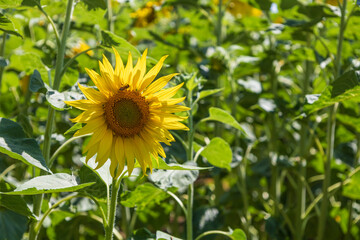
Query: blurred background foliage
274,67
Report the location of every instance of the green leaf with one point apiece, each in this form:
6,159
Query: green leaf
121,45
9,3
103,173
345,82
352,189
87,174
12,225
144,196
238,234
58,182
191,83
56,100
7,26
205,93
165,179
217,114
14,143
30,3
164,236
73,129
92,4
3,62
36,82
325,99
218,153
14,203
171,166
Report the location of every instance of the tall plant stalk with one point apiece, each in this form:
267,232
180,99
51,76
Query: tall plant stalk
331,124
51,112
112,209
301,188
190,157
2,52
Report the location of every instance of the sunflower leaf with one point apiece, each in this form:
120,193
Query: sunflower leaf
14,203
119,43
218,153
73,129
36,82
161,164
217,114
58,182
144,196
7,26
12,224
206,93
14,143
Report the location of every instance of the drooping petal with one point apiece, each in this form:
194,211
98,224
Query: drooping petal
92,94
150,76
128,71
119,70
158,84
139,70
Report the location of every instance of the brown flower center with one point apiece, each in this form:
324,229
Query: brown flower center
126,113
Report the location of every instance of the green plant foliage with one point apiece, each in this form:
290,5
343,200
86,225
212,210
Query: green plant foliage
218,153
220,115
7,26
12,225
58,182
14,143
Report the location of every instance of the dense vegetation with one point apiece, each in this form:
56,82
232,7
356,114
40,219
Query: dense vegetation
273,150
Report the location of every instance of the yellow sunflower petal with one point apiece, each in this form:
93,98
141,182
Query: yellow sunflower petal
159,84
81,104
92,94
90,126
96,137
119,152
129,153
107,76
128,70
97,80
167,93
139,70
104,149
88,115
119,70
150,76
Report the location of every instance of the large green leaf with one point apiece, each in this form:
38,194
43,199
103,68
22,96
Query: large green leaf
12,225
14,143
161,164
10,3
165,179
14,203
217,114
87,174
121,45
345,87
352,189
7,26
36,82
103,173
218,153
58,182
238,234
144,196
345,82
206,93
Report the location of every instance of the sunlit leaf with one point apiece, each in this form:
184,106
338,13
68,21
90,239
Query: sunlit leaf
121,45
218,153
217,114
352,189
6,25
238,234
164,236
14,143
58,182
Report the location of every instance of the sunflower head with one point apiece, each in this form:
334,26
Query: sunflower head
129,115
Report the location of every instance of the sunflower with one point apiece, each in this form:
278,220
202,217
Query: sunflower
130,115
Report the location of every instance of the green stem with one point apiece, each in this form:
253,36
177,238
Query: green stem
2,53
331,124
110,22
51,113
301,188
213,232
56,153
190,157
52,24
112,210
178,201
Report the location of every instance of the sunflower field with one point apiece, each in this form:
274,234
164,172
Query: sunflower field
180,119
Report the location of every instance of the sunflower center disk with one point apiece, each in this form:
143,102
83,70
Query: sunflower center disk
126,113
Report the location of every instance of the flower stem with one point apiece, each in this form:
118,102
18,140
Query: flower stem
2,52
112,210
190,157
51,113
331,124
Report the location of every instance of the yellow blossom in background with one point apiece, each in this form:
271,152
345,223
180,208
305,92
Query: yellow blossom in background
24,84
130,114
334,2
150,13
239,9
80,47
